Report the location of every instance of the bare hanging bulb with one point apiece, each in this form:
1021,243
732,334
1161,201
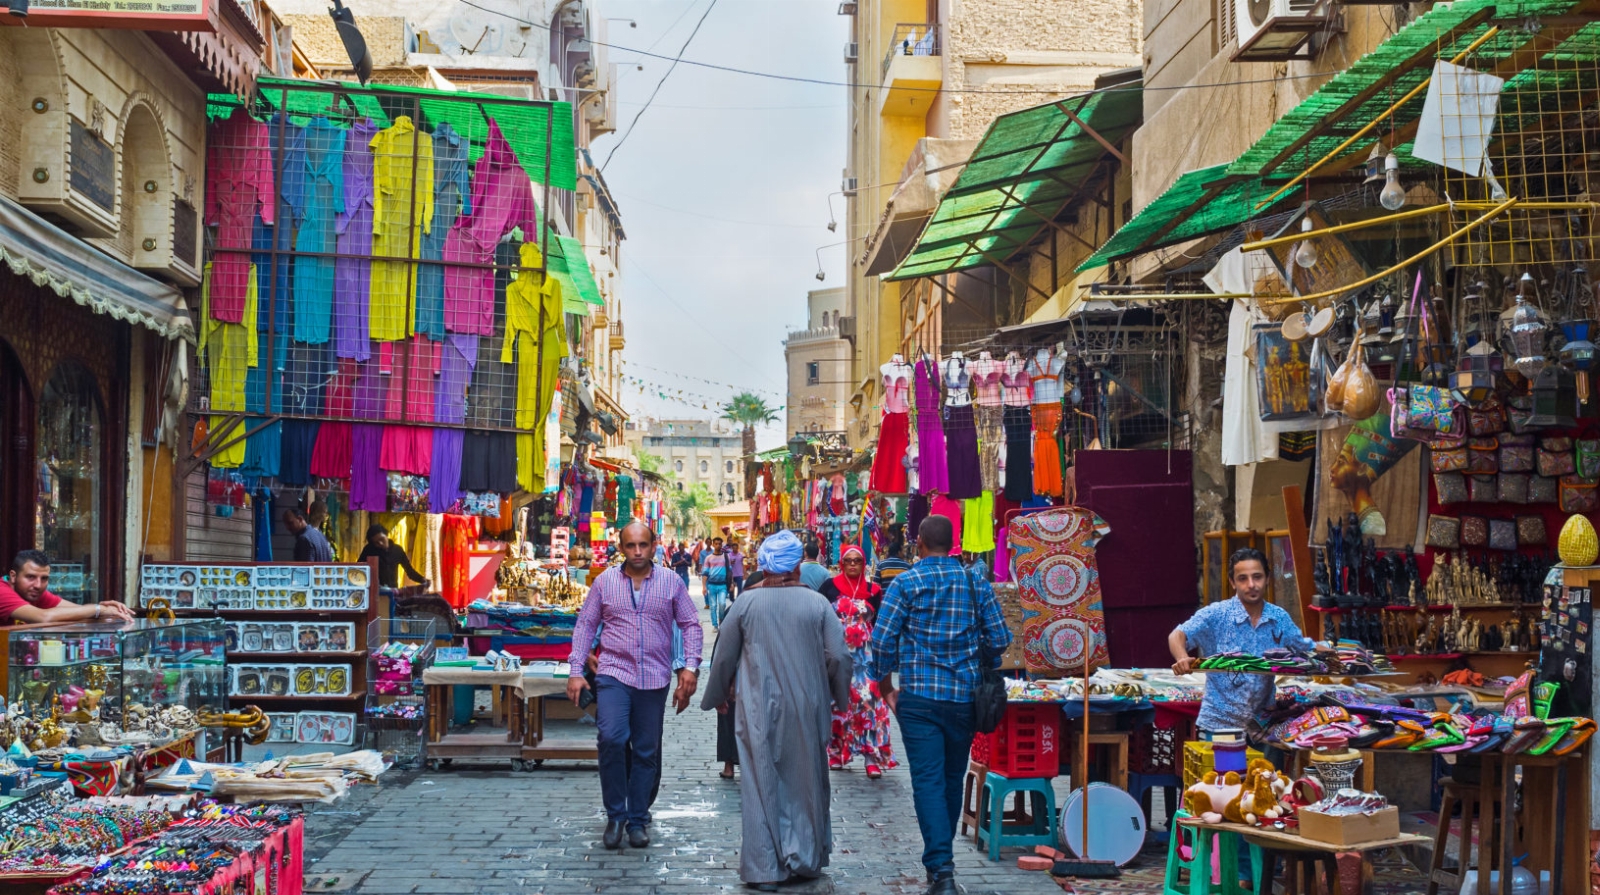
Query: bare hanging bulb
1306,254
1393,196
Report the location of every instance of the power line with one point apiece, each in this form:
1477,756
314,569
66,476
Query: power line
670,69
825,83
634,261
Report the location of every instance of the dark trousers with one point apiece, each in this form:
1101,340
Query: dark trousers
736,586
937,738
629,721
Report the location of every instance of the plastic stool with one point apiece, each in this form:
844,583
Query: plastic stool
995,832
1201,845
1140,785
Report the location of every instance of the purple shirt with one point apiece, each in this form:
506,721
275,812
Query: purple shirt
369,486
502,198
636,645
459,354
737,558
352,277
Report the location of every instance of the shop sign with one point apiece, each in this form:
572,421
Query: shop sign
94,168
158,15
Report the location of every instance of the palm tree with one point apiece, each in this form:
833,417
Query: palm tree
686,511
749,410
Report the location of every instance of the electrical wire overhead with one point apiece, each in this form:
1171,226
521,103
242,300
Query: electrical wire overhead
670,69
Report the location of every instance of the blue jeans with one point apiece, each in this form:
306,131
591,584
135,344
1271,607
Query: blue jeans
629,722
717,602
937,737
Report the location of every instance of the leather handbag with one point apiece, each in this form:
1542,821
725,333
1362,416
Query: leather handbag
989,696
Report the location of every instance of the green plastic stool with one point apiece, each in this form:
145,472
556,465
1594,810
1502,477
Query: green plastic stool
1199,863
994,832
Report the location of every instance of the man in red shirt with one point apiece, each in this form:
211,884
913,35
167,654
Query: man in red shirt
27,600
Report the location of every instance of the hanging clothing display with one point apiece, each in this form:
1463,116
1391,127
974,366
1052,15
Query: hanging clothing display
410,366
296,446
531,299
263,449
456,536
402,211
1059,582
961,452
1044,370
239,186
894,436
313,189
369,487
932,474
977,529
941,505
1019,447
228,349
492,393
407,449
352,277
446,473
489,462
458,354
502,200
451,200
987,413
330,458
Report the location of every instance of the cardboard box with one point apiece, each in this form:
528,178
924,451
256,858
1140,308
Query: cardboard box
1350,829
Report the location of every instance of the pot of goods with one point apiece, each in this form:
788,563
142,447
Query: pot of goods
1334,762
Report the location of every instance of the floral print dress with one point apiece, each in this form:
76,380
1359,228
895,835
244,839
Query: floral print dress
863,729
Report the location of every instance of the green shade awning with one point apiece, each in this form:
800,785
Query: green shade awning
582,273
522,122
1542,68
1028,166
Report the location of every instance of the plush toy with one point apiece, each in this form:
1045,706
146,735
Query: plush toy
1208,798
1263,797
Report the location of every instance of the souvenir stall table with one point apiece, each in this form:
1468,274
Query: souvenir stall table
1345,869
518,718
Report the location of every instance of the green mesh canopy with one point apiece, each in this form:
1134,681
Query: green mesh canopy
1541,78
523,123
1027,167
578,267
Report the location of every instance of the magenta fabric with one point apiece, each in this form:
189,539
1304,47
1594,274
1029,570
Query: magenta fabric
933,474
239,185
458,355
502,199
352,277
636,645
444,485
330,458
369,487
407,449
410,369
950,509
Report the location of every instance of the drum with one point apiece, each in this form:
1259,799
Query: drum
1116,824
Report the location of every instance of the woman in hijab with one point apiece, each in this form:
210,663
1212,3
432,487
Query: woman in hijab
786,646
863,728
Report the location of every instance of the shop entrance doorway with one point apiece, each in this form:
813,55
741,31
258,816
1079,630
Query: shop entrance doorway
16,458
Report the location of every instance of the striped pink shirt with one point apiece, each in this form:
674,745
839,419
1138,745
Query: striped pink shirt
636,644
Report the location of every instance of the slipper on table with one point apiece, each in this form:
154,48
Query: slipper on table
1579,734
1555,730
1527,734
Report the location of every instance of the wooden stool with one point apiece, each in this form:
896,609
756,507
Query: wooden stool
1470,797
971,793
1112,747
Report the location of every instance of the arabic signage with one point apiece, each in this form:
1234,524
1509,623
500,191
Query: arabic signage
160,15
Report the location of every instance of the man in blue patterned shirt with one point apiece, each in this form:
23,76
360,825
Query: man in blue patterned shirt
933,619
1247,624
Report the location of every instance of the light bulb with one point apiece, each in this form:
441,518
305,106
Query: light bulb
1393,196
1306,254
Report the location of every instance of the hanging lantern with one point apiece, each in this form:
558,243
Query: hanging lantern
1528,332
1477,374
1547,400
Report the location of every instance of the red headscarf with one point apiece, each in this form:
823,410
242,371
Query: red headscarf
862,588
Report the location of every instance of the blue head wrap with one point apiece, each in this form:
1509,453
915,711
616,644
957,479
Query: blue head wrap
779,554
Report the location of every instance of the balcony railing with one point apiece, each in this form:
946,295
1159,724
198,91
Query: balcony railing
916,39
618,338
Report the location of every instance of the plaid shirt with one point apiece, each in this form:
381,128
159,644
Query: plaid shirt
926,630
636,645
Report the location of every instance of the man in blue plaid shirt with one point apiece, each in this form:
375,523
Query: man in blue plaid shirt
929,631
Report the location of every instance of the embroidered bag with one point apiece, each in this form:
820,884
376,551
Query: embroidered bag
1483,455
1530,531
1488,418
1502,534
1431,407
1555,457
1516,453
1451,487
1578,495
1588,457
1448,455
1444,532
1513,487
1474,531
1483,489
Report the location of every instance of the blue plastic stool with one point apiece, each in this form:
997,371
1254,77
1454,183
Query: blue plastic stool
1139,786
993,830
1200,844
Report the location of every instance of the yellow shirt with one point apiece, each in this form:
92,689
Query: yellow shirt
398,223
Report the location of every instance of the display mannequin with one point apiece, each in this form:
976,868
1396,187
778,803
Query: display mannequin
960,430
1018,388
932,470
1018,421
1045,369
894,430
991,435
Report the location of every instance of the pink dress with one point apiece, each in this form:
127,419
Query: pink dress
933,475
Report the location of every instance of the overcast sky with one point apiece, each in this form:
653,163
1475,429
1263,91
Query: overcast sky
723,188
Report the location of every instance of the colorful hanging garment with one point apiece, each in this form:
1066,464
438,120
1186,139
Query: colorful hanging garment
1054,566
933,475
894,436
502,200
352,277
450,176
402,211
313,187
455,541
239,185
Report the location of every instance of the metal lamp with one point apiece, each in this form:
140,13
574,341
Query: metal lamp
1528,333
799,446
1477,374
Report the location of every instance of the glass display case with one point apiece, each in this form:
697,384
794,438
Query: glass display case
104,668
66,515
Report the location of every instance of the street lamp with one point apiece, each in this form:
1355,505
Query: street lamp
798,446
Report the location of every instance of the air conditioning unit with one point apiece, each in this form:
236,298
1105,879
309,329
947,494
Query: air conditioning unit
852,51
847,328
848,186
1277,30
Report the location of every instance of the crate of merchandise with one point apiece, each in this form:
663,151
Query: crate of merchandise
1198,758
1026,744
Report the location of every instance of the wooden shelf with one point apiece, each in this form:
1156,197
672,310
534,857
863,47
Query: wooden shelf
292,657
1423,657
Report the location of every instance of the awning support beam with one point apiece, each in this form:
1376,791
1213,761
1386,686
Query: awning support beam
1093,133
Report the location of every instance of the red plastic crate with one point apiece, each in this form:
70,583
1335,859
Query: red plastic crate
1026,744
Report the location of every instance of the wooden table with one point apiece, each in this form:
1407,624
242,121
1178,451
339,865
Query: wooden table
507,737
1346,869
535,748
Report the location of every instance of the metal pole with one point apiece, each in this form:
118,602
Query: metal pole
544,225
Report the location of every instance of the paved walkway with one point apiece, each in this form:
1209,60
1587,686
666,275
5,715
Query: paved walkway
482,828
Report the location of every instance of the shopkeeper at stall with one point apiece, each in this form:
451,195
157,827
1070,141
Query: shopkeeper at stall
391,558
1247,623
26,599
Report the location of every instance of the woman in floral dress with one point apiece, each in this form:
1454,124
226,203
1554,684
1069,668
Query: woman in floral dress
864,728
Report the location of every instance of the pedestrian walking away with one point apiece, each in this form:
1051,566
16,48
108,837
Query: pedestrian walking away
814,574
863,728
638,603
935,618
786,646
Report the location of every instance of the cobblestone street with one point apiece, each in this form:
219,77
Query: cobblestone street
482,828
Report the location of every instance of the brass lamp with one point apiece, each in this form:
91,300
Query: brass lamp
1528,333
1477,374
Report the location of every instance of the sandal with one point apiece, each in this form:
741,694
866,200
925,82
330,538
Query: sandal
1406,733
1576,736
1527,733
1555,730
726,775
873,773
